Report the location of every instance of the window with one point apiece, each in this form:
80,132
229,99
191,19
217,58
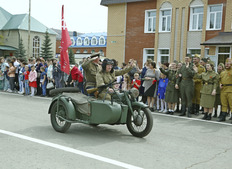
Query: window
85,51
73,42
165,20
102,41
78,51
93,51
94,41
101,52
79,41
36,46
223,54
148,53
163,56
150,21
192,52
214,20
86,41
196,18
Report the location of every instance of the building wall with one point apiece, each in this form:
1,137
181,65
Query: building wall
136,39
89,50
116,32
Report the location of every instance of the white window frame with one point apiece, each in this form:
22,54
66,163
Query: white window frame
92,41
160,55
86,44
161,20
198,16
145,55
73,41
189,51
215,18
102,37
79,44
147,18
36,40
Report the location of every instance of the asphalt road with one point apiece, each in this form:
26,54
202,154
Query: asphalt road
27,140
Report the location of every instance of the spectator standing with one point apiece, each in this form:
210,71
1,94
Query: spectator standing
43,81
163,82
57,75
2,70
144,70
21,77
26,80
126,85
33,80
136,83
11,75
6,79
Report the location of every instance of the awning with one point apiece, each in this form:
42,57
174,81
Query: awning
10,48
223,38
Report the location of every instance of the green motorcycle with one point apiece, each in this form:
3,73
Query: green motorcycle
71,106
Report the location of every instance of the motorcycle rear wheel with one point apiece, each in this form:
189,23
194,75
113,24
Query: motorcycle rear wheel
142,124
57,123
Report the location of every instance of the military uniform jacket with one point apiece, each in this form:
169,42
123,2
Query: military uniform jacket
201,69
185,74
172,78
210,81
226,79
91,69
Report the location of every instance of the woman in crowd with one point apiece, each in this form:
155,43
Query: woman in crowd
208,91
11,75
126,84
171,96
149,85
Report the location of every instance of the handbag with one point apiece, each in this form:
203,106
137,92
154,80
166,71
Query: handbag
50,85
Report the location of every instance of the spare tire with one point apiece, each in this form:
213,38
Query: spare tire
65,89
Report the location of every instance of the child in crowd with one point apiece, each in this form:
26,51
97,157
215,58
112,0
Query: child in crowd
26,81
32,80
43,81
136,83
6,79
163,82
21,77
126,85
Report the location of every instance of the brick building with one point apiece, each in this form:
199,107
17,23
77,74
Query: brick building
167,30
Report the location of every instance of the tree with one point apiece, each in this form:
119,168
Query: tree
46,49
21,52
71,57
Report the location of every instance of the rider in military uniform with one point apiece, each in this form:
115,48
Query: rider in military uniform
226,89
91,67
210,81
197,85
108,75
185,81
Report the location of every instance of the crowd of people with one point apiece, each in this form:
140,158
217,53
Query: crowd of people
178,87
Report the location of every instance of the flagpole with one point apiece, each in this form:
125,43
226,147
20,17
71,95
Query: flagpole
29,29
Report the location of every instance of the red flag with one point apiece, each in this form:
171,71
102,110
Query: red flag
65,43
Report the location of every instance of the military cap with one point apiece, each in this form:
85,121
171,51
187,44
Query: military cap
222,65
197,56
204,59
211,63
95,54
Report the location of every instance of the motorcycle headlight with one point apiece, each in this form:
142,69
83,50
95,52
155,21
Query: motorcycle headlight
134,92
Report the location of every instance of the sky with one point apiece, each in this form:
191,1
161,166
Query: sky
83,16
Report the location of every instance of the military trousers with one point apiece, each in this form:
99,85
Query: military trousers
226,101
187,91
196,93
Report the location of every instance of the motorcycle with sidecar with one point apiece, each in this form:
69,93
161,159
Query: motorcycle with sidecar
69,106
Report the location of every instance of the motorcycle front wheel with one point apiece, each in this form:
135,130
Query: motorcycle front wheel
141,125
57,123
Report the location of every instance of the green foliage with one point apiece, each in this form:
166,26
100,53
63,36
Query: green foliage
21,52
46,49
71,57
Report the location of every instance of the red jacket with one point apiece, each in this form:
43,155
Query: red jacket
76,74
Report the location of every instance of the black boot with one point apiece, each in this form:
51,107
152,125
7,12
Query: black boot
172,112
205,116
208,117
220,114
215,113
183,110
189,111
197,109
223,117
193,111
230,118
177,109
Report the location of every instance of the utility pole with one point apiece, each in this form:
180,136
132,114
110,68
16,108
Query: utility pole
29,29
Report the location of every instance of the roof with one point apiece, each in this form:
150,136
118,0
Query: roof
58,31
110,2
3,47
223,38
21,22
97,34
4,17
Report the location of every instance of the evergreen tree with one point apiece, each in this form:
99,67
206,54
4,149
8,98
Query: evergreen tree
21,52
46,49
71,57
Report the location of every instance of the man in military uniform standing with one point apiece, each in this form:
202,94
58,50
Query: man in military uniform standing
226,89
91,68
185,80
197,85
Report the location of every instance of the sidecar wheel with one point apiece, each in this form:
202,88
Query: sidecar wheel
142,124
57,123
